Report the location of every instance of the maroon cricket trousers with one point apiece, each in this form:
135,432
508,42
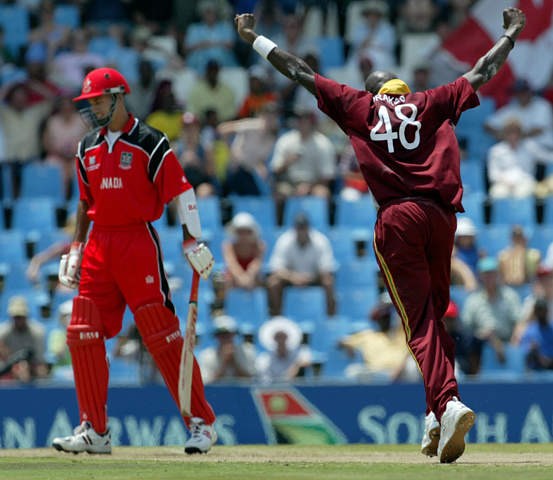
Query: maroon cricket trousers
413,243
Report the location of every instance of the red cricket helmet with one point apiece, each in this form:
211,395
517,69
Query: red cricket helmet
102,81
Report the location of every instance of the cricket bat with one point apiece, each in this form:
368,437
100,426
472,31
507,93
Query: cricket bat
187,354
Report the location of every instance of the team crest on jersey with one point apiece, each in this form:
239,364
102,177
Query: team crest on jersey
125,161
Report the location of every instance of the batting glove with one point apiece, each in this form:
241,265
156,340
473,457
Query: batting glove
199,256
69,273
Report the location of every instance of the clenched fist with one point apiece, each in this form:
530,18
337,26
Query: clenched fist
513,21
244,26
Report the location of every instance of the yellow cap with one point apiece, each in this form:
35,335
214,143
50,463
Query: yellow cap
395,86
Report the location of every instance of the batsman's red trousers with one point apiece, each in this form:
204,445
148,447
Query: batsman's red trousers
413,243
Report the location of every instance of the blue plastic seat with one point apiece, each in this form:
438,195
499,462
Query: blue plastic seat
459,295
343,244
262,208
210,213
542,237
514,211
12,247
474,207
359,213
304,303
357,303
358,273
247,306
32,214
548,211
316,209
38,180
67,15
332,52
15,22
472,175
494,238
514,362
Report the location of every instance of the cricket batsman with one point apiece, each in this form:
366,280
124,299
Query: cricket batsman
127,173
406,147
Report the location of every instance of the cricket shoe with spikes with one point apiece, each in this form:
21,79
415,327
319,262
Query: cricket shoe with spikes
456,421
202,437
431,436
84,439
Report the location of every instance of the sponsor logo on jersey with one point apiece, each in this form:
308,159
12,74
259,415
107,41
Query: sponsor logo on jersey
111,183
92,164
125,161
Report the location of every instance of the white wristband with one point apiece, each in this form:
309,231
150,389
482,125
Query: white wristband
263,46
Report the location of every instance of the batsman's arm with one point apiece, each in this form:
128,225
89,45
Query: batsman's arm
289,65
488,65
82,223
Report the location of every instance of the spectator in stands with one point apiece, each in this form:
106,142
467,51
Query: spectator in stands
210,39
251,147
230,359
285,357
384,349
512,163
268,14
243,253
302,256
57,351
21,124
62,132
417,16
70,66
39,87
374,36
534,114
211,93
421,77
518,263
467,358
195,158
304,160
6,55
141,98
259,95
466,247
22,343
537,339
48,36
292,39
461,273
166,114
492,312
353,183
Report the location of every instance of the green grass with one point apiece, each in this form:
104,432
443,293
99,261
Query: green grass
390,462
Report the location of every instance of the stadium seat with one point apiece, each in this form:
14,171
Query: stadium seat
458,294
316,209
542,237
210,213
472,174
14,20
548,211
67,15
39,180
474,207
494,238
332,52
304,303
358,273
15,279
343,244
247,306
171,243
359,213
514,211
262,208
12,247
513,367
37,213
103,45
357,303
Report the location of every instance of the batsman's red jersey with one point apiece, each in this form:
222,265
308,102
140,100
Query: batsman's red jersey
130,182
405,144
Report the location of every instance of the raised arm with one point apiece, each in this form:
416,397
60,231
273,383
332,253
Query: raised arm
289,65
488,65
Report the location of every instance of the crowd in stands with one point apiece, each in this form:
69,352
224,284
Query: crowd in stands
284,207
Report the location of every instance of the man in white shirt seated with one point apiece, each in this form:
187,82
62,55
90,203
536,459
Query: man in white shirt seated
302,257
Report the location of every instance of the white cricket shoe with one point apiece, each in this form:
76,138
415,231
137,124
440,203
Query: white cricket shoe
84,439
431,436
202,437
457,420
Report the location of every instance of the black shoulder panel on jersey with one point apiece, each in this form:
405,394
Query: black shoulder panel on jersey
90,140
153,142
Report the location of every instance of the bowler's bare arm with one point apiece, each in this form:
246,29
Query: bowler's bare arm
289,65
488,65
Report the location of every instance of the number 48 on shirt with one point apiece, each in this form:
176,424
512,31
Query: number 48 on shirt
389,135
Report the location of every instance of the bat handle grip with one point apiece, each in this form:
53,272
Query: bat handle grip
195,286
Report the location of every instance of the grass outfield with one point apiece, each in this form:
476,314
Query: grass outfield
390,462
